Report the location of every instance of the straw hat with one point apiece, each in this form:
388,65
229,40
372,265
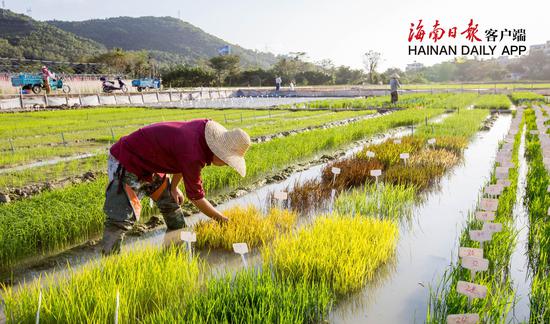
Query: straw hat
395,76
229,146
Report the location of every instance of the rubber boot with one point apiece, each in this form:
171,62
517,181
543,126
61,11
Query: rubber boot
112,240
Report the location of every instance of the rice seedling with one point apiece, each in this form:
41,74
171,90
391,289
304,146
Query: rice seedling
455,144
444,298
434,160
305,197
388,152
56,220
354,172
520,97
163,286
50,221
246,225
342,251
463,124
250,297
421,178
385,201
492,101
148,281
538,203
70,134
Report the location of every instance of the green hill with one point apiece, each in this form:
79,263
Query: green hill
162,35
24,37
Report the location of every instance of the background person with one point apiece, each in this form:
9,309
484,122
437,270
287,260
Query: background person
394,85
46,76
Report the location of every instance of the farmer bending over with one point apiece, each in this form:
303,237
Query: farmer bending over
139,163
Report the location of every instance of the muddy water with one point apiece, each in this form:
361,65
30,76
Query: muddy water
518,264
427,245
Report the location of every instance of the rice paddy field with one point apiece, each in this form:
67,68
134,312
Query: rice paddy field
432,210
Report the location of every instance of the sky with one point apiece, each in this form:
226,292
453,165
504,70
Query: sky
340,30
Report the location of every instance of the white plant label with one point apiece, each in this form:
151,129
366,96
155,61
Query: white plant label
404,156
501,159
375,173
431,141
336,170
548,189
370,154
534,132
489,204
548,212
480,235
280,195
188,236
475,264
485,216
507,164
463,319
470,252
240,248
501,173
492,227
493,190
397,141
471,290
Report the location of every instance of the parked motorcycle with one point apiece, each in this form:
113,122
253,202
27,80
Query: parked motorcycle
109,86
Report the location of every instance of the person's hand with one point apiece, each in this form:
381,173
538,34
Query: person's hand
222,220
177,195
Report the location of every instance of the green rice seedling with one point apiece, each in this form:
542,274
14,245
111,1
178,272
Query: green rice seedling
520,97
455,101
462,124
385,201
148,280
538,203
50,221
493,101
246,225
342,251
445,300
252,297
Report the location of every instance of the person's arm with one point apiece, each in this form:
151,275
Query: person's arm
174,190
206,208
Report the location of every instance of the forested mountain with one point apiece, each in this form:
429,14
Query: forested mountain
163,35
24,37
168,40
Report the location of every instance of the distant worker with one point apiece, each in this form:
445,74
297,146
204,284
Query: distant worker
46,76
138,165
291,85
394,85
278,82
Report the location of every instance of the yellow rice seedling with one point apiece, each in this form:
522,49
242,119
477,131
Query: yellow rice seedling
437,157
247,225
340,250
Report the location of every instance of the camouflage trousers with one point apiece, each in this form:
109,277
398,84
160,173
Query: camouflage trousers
121,214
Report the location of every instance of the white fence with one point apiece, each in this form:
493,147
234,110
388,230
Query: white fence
114,99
